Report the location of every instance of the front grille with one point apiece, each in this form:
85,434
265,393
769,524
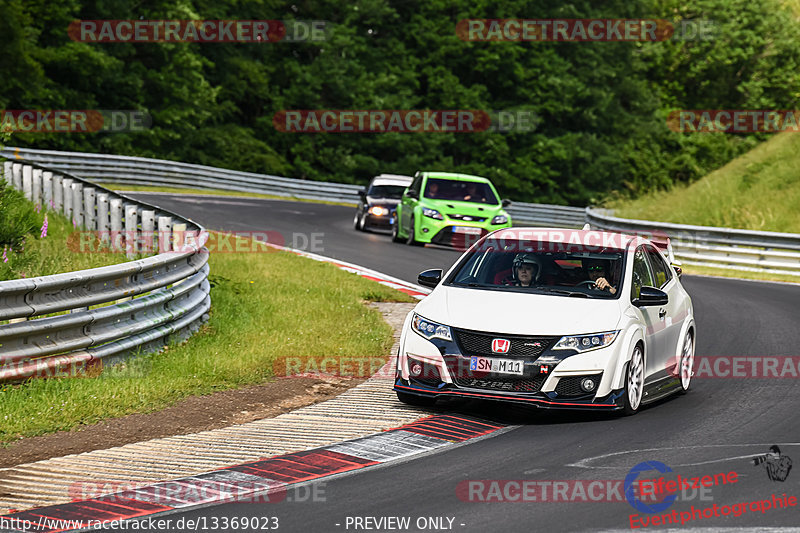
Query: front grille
466,218
503,384
476,343
571,386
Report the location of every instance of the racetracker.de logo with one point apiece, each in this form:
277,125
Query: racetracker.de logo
381,121
564,30
734,121
73,120
197,31
739,367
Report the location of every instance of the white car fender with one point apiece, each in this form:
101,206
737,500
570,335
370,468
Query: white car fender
629,337
402,343
688,323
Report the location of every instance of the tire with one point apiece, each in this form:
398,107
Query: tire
413,399
634,382
357,223
395,230
410,240
687,362
362,223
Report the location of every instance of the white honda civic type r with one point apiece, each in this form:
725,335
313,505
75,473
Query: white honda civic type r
552,318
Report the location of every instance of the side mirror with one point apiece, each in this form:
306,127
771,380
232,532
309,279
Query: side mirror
678,270
430,278
506,202
411,193
651,296
362,193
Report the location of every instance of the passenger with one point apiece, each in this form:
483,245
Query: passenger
526,270
473,194
597,272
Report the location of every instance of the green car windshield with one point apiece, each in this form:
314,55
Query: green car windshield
460,191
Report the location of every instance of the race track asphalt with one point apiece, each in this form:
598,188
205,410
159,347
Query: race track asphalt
713,429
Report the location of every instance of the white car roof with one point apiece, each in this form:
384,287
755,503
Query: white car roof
392,179
568,236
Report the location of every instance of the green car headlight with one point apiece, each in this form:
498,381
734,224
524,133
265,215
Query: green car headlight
584,343
429,329
500,219
432,213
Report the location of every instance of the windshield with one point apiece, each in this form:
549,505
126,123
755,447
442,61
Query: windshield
386,191
460,191
554,268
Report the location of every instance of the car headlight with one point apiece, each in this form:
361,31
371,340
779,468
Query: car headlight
429,329
432,213
379,211
500,219
584,343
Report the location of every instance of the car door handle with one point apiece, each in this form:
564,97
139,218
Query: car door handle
662,313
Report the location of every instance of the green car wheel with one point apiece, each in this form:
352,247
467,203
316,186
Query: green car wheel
396,231
411,239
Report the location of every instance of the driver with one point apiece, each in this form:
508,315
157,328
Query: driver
597,271
527,268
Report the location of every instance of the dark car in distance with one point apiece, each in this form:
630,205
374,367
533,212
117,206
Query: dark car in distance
377,202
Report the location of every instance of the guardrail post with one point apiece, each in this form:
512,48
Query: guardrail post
8,172
77,205
164,234
148,230
16,176
27,181
66,191
36,183
102,217
89,208
47,190
131,230
58,192
178,237
115,222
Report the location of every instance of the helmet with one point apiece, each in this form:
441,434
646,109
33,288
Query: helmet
528,259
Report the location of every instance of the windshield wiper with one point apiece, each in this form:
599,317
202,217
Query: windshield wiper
473,284
565,293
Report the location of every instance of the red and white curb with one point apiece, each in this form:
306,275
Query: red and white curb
263,481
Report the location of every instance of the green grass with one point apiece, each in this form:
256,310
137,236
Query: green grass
59,251
759,190
215,192
264,306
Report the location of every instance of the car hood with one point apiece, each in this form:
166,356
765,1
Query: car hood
379,200
465,208
519,313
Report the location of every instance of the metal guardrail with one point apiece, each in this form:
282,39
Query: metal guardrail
137,306
735,249
159,172
698,245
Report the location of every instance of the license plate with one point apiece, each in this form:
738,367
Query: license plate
498,366
467,230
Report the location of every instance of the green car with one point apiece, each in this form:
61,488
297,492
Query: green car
448,208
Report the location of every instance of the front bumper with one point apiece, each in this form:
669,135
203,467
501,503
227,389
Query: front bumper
378,221
611,402
550,379
451,232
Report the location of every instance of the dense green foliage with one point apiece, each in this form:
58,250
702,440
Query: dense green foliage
603,106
